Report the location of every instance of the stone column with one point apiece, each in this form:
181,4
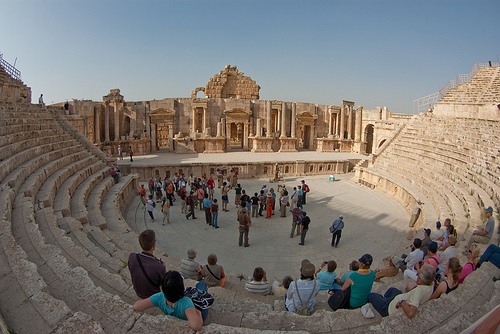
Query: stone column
352,119
117,120
148,122
258,131
311,137
357,129
283,120
228,136
245,136
293,120
330,123
205,121
193,127
106,122
97,124
342,121
269,122
171,137
251,133
219,125
153,137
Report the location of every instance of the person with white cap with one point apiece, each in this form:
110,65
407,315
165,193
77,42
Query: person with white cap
336,230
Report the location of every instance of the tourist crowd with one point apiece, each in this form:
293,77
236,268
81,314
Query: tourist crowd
431,266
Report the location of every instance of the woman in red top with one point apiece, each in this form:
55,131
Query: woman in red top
269,205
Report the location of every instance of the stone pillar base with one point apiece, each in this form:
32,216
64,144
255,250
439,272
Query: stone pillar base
262,144
346,145
288,144
326,144
214,145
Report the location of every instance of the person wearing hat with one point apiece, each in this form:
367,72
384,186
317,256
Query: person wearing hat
359,283
391,268
433,261
415,213
304,224
303,290
244,226
483,236
336,230
191,269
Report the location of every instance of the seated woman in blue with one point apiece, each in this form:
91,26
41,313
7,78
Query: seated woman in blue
172,301
326,278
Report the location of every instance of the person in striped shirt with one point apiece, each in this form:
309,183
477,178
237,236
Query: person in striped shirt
259,283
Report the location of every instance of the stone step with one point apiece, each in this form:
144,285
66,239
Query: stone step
87,180
11,163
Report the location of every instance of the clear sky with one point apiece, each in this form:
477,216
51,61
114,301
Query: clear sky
375,53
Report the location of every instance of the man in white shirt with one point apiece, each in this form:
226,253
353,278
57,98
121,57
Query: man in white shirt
394,301
448,253
439,233
416,255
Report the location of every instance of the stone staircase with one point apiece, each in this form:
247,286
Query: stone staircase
453,162
484,87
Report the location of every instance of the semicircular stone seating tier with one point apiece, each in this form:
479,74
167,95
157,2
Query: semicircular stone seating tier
65,244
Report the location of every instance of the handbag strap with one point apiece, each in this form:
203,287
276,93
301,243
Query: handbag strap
212,273
144,270
300,299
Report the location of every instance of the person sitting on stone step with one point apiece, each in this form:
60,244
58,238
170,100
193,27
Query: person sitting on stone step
259,283
173,302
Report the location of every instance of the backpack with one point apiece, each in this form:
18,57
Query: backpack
303,310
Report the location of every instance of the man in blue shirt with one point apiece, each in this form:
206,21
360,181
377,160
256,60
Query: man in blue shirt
337,227
172,301
206,206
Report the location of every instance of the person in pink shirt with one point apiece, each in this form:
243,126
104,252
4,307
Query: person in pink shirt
472,261
433,261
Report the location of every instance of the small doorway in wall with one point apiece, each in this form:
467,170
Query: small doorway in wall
126,127
236,136
369,138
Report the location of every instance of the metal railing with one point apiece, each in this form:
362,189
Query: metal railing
11,70
424,103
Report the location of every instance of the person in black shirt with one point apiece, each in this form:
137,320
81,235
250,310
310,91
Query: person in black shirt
304,227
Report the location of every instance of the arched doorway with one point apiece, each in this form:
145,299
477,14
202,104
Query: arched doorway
369,138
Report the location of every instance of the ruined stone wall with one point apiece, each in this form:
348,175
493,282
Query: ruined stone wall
230,83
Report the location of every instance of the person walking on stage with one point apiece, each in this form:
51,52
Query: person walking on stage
336,230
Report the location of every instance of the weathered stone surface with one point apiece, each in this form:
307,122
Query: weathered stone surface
79,323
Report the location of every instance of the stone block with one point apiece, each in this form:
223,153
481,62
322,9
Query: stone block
80,322
52,310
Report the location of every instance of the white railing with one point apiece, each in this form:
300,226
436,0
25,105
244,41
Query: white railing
424,103
11,70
